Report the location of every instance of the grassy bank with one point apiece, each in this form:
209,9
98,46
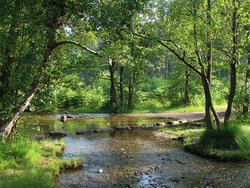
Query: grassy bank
147,107
227,143
26,163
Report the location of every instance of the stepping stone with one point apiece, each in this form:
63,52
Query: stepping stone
161,124
104,130
135,127
125,127
148,127
85,131
173,122
57,134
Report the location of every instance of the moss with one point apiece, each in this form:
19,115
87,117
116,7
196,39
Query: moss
71,164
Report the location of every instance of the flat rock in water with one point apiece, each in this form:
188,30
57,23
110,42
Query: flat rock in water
104,130
183,121
135,127
148,127
85,131
161,124
173,122
125,127
177,122
57,134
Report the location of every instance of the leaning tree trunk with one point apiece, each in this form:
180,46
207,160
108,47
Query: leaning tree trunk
55,23
209,108
208,103
10,124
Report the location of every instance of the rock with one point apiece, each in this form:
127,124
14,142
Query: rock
85,131
148,127
57,134
173,122
183,121
161,124
135,127
63,118
104,130
125,127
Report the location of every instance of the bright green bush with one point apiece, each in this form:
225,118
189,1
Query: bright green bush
225,137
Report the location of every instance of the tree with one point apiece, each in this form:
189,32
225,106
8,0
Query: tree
193,48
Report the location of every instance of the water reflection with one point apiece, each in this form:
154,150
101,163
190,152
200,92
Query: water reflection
32,125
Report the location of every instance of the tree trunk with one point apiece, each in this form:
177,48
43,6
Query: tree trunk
131,89
7,128
113,94
231,93
121,87
10,124
246,86
247,78
233,63
209,41
186,86
208,103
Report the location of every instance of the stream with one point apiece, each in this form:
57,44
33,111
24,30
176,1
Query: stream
133,158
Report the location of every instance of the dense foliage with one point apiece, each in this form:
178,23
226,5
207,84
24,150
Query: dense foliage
117,55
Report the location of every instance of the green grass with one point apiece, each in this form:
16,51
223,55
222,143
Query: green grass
225,143
148,107
191,133
26,163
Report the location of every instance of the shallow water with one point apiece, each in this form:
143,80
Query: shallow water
135,158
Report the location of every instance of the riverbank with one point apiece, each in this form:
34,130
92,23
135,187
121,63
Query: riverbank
226,143
27,163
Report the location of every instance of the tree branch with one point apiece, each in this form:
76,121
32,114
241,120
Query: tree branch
77,44
173,51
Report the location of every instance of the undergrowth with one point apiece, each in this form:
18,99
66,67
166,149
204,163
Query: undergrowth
226,142
26,163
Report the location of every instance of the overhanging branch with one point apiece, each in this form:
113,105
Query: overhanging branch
77,44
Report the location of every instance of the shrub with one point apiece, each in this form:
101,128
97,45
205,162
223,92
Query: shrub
225,137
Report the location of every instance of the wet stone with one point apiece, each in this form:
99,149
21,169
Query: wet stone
148,127
161,124
125,127
85,131
104,130
57,134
